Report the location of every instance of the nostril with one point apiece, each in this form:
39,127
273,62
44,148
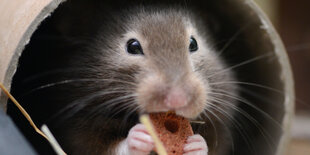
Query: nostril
176,98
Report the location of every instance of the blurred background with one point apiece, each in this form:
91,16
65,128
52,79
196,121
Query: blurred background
292,20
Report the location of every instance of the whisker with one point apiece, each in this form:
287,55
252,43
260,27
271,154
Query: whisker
235,123
241,64
223,123
122,108
130,112
107,105
81,103
259,86
265,134
63,71
242,100
72,81
127,107
234,37
51,72
213,125
260,97
132,109
249,84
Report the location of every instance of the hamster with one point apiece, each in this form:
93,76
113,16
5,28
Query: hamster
140,60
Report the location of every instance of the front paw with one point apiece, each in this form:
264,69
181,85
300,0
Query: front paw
195,145
139,141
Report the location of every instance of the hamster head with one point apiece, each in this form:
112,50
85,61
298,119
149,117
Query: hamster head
172,62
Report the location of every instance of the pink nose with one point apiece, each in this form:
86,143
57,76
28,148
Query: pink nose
176,98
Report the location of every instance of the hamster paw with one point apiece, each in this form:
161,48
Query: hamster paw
195,145
139,141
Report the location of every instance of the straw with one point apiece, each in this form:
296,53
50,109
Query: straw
145,120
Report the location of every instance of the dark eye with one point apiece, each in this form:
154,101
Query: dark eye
193,46
134,47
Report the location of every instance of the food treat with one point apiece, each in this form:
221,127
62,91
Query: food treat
172,130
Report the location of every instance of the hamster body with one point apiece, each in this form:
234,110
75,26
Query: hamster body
141,61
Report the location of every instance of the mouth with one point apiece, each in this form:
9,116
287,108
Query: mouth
186,112
172,125
190,111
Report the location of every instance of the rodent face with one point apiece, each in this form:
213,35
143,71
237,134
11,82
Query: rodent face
167,76
166,79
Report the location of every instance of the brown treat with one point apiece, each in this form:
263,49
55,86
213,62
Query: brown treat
172,130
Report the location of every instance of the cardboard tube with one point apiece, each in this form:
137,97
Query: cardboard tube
19,19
